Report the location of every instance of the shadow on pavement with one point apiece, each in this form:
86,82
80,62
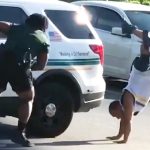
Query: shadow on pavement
72,143
6,131
6,134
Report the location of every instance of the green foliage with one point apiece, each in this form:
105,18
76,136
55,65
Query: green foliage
68,0
135,1
144,2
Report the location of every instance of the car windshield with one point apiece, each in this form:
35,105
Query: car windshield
140,18
70,24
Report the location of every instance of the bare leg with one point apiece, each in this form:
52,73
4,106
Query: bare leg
127,96
25,108
24,113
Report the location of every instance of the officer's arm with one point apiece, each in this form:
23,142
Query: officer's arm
4,27
41,61
138,33
131,29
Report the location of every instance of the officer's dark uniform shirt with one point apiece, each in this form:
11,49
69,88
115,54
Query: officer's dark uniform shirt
21,39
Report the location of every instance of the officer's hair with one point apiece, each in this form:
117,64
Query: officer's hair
113,106
37,22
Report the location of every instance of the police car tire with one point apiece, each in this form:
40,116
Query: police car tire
43,126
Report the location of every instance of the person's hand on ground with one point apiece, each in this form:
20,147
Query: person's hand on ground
113,137
120,142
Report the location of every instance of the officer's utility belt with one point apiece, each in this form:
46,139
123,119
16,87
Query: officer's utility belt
24,65
10,60
27,59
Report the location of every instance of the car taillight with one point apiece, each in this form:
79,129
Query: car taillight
98,49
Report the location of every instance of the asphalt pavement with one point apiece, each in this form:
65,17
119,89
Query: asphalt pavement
86,131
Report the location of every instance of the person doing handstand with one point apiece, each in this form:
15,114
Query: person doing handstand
136,94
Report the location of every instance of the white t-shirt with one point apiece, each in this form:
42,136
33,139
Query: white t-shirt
139,86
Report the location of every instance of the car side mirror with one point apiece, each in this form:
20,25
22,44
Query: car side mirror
118,31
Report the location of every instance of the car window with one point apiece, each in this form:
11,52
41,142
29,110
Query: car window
140,18
65,21
12,14
103,18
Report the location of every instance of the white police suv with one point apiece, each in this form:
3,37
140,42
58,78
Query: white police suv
73,80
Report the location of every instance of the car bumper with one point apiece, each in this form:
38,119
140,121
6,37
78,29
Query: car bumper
90,101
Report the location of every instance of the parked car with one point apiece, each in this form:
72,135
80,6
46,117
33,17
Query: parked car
73,78
120,50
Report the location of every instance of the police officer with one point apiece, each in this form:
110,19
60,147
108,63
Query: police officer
136,94
24,43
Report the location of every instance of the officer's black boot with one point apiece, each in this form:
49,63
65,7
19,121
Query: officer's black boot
20,136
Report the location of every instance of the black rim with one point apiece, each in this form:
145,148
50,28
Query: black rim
53,126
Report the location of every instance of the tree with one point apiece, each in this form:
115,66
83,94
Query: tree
69,0
146,2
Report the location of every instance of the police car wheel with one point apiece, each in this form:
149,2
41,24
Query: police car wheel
52,111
